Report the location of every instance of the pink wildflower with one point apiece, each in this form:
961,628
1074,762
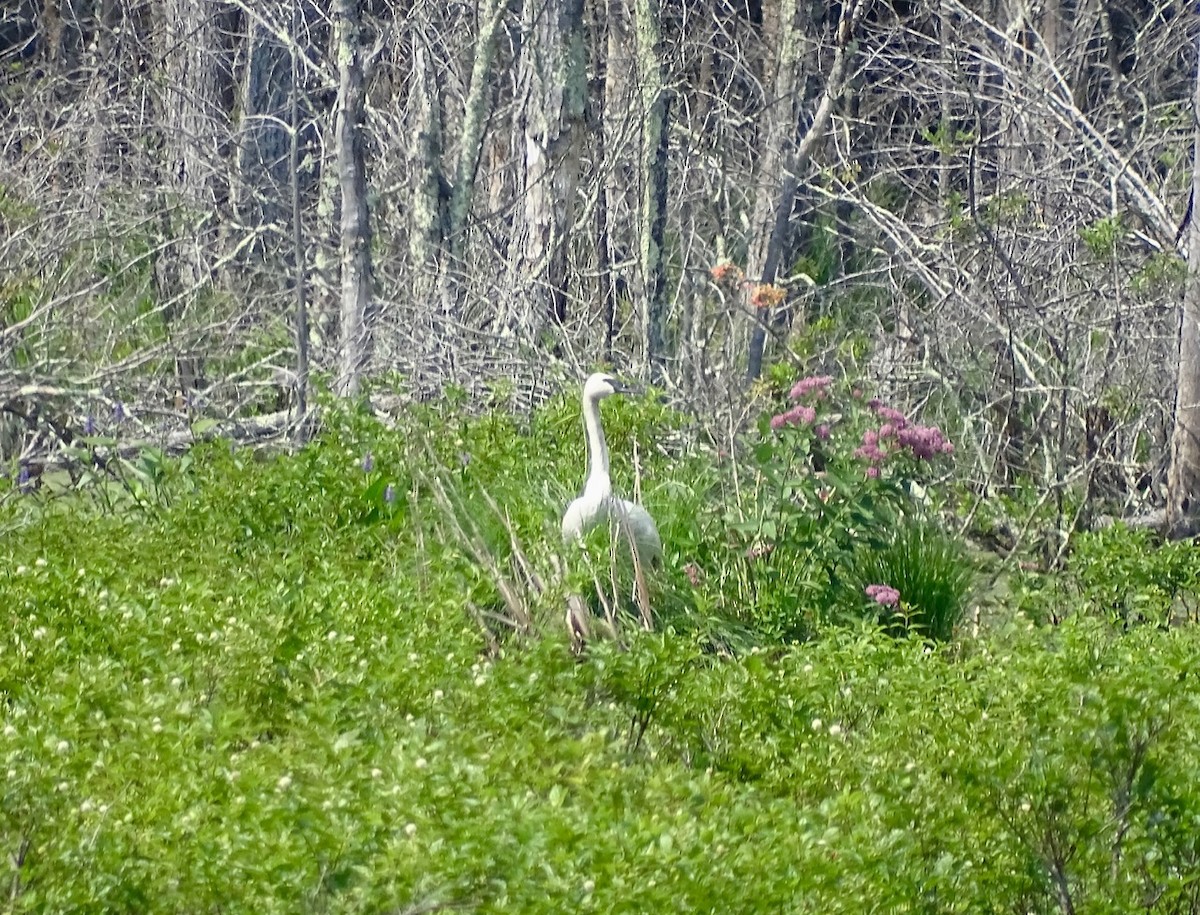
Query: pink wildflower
925,442
823,431
814,383
799,415
884,595
887,430
870,453
891,415
872,472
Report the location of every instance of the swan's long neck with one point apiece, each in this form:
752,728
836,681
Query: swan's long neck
597,449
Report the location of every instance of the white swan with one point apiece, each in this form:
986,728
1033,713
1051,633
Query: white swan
598,505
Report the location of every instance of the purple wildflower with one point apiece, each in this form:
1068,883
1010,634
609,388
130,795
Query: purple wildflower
389,493
119,412
823,432
870,450
892,416
925,442
887,430
24,479
368,462
89,425
800,415
814,383
884,595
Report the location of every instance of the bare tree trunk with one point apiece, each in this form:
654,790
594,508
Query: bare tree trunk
356,311
553,97
263,143
786,159
299,264
197,93
325,301
476,111
427,213
615,206
655,109
1183,485
102,100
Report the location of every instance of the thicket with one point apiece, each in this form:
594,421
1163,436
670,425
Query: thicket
339,680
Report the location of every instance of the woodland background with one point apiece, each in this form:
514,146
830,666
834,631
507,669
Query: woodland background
210,208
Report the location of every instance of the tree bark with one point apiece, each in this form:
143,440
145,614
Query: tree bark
263,142
103,98
476,111
553,90
198,86
427,213
1183,484
299,261
786,158
655,136
778,179
614,207
356,310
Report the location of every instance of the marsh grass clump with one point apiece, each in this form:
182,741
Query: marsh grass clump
917,582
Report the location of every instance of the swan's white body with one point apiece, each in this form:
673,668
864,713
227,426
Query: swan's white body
597,504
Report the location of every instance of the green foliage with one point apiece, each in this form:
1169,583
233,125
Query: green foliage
1124,575
829,476
1121,575
1162,274
928,568
258,691
1003,208
1103,236
946,138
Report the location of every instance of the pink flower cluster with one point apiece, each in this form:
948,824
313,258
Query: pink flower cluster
923,442
884,595
803,414
799,415
818,383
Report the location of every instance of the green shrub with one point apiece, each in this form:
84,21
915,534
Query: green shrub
925,570
1125,575
829,474
1119,574
262,693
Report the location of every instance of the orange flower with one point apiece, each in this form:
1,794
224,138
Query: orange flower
768,295
726,273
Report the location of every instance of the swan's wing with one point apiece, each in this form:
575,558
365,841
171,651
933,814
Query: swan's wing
572,521
583,514
642,527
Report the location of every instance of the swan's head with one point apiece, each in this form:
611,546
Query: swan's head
601,384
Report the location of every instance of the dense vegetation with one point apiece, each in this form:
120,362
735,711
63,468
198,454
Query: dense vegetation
241,682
